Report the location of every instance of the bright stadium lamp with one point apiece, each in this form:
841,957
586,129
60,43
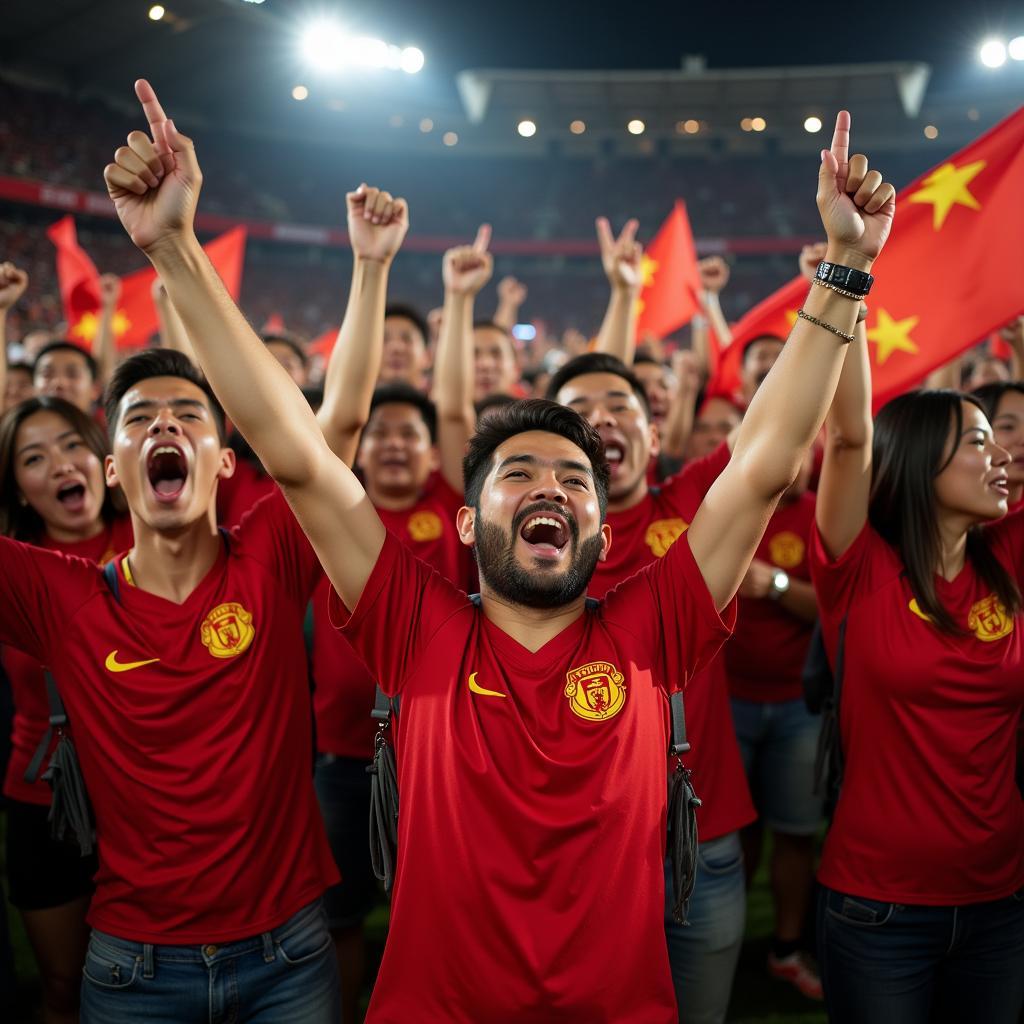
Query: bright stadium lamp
156,12
527,128
324,45
636,127
412,60
993,53
1015,48
812,124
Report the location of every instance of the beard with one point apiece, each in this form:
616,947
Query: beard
495,557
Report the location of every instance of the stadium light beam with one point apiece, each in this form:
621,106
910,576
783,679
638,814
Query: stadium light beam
324,44
992,53
412,60
812,124
1015,48
156,12
527,128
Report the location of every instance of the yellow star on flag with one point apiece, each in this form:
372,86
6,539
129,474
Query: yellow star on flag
946,187
892,335
89,324
647,269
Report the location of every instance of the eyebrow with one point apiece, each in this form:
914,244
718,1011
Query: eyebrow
614,393
976,430
38,444
175,403
532,460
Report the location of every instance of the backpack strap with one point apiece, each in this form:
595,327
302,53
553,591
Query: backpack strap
678,743
112,579
58,719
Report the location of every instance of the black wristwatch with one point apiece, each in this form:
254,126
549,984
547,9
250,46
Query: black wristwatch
847,278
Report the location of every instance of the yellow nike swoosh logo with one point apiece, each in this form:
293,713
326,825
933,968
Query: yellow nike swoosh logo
475,688
113,665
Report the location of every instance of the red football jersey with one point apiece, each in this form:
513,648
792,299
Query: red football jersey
764,660
28,683
641,535
533,796
193,727
344,693
240,492
928,812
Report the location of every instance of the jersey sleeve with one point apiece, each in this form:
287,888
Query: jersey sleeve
691,484
270,534
39,591
403,605
1007,539
668,606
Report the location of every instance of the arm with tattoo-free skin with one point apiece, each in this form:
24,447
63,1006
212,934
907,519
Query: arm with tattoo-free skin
621,258
511,296
787,412
154,183
13,283
172,330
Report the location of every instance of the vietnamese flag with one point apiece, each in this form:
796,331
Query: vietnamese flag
77,276
949,273
670,293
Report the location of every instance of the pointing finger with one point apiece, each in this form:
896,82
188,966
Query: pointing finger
604,233
841,145
483,238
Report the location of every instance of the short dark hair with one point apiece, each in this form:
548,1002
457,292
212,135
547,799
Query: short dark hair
158,362
597,362
408,312
22,522
491,402
400,393
648,360
20,368
908,453
751,342
292,343
520,418
67,346
990,395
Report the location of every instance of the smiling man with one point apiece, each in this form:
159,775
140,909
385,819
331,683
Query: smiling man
184,673
534,727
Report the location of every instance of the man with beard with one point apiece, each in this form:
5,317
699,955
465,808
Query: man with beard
646,521
534,728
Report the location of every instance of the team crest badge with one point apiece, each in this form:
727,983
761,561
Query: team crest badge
227,631
663,533
989,620
595,691
786,550
424,526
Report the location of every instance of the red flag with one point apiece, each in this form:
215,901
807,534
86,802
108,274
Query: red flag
946,276
670,293
77,276
273,325
324,344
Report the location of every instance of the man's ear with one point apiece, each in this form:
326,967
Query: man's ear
606,536
655,439
228,462
109,472
465,523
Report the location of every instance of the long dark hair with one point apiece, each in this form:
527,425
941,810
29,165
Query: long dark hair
909,452
23,522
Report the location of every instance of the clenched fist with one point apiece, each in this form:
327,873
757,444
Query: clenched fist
13,283
377,223
714,273
467,268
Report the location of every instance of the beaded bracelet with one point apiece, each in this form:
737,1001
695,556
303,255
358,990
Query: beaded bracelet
839,291
821,323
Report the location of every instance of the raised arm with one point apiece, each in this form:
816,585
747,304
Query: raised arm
13,283
511,296
104,346
172,330
787,412
714,276
621,259
154,184
683,406
377,224
466,269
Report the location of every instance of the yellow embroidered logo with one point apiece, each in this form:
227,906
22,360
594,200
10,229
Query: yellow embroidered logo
786,550
595,690
916,609
663,533
113,665
475,687
424,526
228,630
989,620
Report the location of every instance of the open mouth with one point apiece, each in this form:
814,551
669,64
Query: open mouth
546,534
615,455
167,469
1001,485
72,496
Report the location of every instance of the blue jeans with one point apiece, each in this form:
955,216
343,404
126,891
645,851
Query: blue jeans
703,954
888,963
287,976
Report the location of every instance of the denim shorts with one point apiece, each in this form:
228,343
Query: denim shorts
778,742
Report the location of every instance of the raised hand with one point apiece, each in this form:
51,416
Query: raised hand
855,204
686,368
155,180
467,268
810,257
511,292
13,283
620,257
110,290
377,223
714,273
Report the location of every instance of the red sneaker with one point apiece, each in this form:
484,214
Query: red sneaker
799,972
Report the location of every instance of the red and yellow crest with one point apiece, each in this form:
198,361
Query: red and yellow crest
663,533
786,550
595,690
227,631
989,619
424,526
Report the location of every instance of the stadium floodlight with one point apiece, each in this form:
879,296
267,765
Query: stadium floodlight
524,332
1015,48
426,125
324,45
577,127
636,127
747,124
412,60
300,92
691,126
758,124
527,128
450,138
156,12
812,124
931,132
992,53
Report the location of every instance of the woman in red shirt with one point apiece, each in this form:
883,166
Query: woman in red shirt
916,562
53,495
